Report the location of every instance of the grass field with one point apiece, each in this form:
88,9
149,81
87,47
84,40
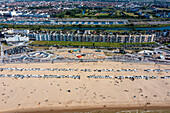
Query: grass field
166,43
49,27
97,44
131,14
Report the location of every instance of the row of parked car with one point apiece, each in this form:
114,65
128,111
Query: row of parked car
136,46
17,50
141,45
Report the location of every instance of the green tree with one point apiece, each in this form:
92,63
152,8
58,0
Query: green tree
72,14
61,15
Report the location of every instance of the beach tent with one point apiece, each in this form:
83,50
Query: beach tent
79,56
70,51
75,50
97,50
83,54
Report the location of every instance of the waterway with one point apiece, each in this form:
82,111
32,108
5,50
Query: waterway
60,23
123,28
85,28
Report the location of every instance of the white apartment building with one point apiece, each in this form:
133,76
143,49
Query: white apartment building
17,38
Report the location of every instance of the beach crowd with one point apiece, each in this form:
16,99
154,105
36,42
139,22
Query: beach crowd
83,70
22,76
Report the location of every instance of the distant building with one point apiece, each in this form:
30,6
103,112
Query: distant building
34,15
94,38
12,13
4,12
18,31
163,39
17,38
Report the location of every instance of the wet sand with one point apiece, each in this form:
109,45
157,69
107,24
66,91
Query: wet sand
35,94
155,109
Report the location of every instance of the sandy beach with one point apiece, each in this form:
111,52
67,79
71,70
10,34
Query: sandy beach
35,94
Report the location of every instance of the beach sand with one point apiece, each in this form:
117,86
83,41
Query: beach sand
38,94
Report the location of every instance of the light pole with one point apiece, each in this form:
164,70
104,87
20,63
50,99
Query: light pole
2,53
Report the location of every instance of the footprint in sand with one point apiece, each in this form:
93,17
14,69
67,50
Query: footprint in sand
126,90
154,95
140,90
3,93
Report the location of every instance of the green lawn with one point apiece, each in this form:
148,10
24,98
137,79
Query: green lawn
97,44
131,14
103,14
166,43
49,27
